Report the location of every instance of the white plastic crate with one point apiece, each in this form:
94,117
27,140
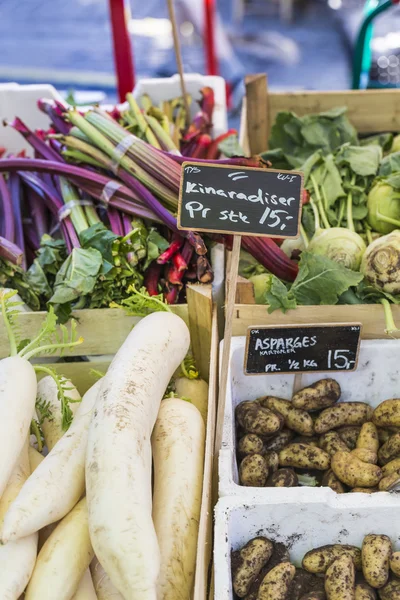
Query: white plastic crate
377,378
301,527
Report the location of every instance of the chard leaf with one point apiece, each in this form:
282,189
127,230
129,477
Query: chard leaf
156,244
278,296
362,160
230,146
321,280
390,164
77,276
41,274
102,239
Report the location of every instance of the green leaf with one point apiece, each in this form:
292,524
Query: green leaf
230,146
277,158
390,164
360,211
41,274
384,140
278,296
102,239
77,275
362,160
321,281
156,244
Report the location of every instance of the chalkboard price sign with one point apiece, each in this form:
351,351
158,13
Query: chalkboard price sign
302,348
240,200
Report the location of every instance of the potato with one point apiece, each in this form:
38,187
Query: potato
383,434
376,551
365,455
253,471
283,478
278,441
344,413
321,394
364,592
368,437
295,419
257,419
389,450
319,559
330,480
248,562
391,467
387,482
250,444
304,456
272,460
354,472
390,591
367,490
387,414
276,584
340,579
331,442
305,583
302,439
280,554
349,435
395,563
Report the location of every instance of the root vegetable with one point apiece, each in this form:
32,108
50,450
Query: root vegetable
253,471
340,579
105,590
344,413
47,392
35,458
118,458
196,390
85,589
248,563
303,456
354,472
376,552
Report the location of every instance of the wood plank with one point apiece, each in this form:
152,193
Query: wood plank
256,112
370,111
204,541
370,315
79,372
199,299
244,291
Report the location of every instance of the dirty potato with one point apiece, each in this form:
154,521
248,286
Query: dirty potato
349,435
330,480
283,478
258,419
364,592
387,482
389,450
248,562
321,394
253,471
295,419
276,584
331,442
272,460
280,554
395,563
390,591
304,456
376,551
302,439
354,472
387,414
344,413
305,583
250,444
391,467
278,441
361,490
365,455
319,559
368,437
340,579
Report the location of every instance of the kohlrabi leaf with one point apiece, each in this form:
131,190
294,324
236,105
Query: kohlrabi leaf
362,160
384,140
277,158
278,296
390,164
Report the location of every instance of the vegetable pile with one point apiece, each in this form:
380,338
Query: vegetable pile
262,570
79,517
348,250
315,440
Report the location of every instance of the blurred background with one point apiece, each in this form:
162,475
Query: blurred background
306,44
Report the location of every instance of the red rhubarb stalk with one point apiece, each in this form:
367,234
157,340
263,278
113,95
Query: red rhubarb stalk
151,278
271,257
167,255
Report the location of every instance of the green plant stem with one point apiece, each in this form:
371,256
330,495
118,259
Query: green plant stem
36,432
320,203
368,232
141,121
7,324
47,347
389,220
349,212
66,412
70,194
304,236
316,216
91,215
390,324
341,211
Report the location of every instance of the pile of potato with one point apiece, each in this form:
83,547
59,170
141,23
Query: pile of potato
262,570
347,446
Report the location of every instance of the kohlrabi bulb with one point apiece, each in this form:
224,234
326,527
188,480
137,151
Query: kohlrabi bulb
381,263
383,208
340,245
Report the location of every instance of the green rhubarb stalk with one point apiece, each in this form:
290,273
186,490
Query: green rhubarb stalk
165,139
141,121
77,214
145,101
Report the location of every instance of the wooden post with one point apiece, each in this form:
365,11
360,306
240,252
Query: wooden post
257,112
200,318
178,56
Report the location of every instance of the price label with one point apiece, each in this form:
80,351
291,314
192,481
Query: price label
302,348
240,200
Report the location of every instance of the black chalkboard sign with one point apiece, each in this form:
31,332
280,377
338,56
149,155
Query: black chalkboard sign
302,348
240,200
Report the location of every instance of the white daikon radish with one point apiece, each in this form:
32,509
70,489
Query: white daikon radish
47,392
178,443
118,465
85,589
195,390
64,558
105,590
35,458
58,482
17,559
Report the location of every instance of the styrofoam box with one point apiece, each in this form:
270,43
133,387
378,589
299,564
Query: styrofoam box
377,378
300,527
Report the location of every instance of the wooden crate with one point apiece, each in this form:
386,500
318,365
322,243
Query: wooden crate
370,111
104,331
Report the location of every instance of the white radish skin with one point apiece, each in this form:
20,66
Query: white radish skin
105,590
47,392
178,442
118,464
17,559
85,589
64,558
35,458
17,402
196,390
58,482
